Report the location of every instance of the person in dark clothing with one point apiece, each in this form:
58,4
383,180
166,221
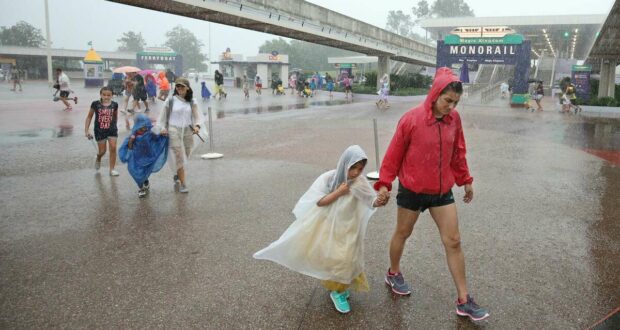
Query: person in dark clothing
219,85
170,76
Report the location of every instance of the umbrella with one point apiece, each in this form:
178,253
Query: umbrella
126,69
464,73
147,71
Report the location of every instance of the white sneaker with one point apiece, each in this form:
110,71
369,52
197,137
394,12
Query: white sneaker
113,173
142,193
183,189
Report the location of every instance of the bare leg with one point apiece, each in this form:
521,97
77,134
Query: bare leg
405,219
101,147
112,148
181,175
64,100
447,222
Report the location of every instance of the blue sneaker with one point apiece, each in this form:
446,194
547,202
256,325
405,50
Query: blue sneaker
471,309
397,283
340,301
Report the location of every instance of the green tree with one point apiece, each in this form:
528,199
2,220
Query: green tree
184,42
21,34
451,8
131,42
441,8
399,23
421,11
304,55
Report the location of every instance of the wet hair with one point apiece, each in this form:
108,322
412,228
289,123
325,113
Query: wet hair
189,95
455,86
106,88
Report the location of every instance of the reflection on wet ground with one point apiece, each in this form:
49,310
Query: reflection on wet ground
597,136
222,112
37,134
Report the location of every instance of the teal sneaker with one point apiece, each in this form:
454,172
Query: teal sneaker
340,301
471,309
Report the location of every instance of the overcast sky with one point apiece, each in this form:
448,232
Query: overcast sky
75,22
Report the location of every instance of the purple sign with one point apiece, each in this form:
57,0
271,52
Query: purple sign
580,77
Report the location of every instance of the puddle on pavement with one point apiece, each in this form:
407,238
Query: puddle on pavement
38,134
221,113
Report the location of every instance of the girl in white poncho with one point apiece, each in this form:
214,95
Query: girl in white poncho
326,239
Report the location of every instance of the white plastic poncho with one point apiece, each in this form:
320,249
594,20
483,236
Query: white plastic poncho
327,242
176,117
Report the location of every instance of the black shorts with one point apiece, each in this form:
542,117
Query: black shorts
102,135
64,93
347,88
420,202
139,94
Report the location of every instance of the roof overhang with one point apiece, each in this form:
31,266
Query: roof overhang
606,46
567,36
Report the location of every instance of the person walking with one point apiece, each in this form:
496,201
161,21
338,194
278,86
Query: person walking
16,79
63,85
326,239
144,152
427,153
258,84
170,76
571,94
139,93
106,115
181,120
164,86
330,85
539,93
219,85
384,91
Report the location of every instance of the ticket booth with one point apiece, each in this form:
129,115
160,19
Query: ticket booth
93,69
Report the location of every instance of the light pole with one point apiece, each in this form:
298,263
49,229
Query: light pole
48,48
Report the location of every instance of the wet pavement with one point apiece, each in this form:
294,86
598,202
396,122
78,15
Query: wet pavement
78,249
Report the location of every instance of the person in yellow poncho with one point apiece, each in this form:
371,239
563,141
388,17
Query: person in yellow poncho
326,239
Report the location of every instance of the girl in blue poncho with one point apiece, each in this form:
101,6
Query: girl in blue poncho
144,152
205,93
151,87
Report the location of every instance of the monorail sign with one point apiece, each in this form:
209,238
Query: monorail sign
510,49
504,50
482,50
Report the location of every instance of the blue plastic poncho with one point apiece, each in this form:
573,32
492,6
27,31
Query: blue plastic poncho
148,154
205,91
151,88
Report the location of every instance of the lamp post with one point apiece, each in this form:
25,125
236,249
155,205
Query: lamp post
48,49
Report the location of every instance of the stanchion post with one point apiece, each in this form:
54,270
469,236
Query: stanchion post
375,175
211,154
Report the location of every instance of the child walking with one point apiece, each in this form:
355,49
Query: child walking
246,88
106,115
204,91
326,239
144,152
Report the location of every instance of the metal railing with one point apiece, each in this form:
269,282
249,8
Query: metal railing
489,93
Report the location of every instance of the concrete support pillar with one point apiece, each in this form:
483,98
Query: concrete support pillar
263,71
284,74
383,67
611,82
603,86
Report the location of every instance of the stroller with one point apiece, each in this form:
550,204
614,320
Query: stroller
116,84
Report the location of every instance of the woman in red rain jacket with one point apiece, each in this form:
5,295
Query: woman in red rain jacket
427,153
